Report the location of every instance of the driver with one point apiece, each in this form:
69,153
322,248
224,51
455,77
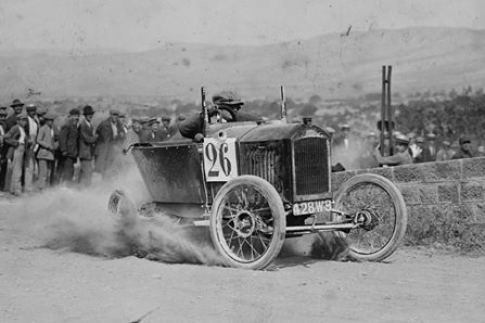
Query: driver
192,126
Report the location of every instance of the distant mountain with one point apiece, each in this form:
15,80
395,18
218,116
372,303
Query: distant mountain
332,66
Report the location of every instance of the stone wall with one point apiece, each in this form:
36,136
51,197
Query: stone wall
445,201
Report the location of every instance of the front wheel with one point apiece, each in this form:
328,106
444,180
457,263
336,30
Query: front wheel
382,214
248,222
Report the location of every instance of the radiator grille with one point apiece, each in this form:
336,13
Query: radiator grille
311,166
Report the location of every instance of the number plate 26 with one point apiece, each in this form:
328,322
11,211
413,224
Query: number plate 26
220,162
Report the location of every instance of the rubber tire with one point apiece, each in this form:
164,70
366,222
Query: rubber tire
120,206
279,227
400,209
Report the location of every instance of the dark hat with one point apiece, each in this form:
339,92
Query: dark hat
31,107
88,110
49,116
22,116
464,140
74,112
122,115
402,140
226,99
114,112
386,125
16,103
166,118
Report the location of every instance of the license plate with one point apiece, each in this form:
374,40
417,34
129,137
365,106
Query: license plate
303,208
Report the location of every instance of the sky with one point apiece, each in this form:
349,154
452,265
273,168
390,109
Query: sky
139,25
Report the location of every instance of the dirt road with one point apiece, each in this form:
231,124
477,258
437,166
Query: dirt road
52,271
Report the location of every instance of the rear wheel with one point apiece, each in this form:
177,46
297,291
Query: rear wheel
380,209
248,222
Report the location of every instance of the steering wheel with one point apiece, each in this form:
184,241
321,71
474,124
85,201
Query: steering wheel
229,110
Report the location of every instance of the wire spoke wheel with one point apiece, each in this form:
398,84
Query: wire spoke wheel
248,223
381,212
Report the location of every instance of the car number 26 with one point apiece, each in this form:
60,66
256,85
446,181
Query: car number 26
220,163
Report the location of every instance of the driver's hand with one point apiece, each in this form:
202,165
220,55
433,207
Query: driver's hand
199,137
212,110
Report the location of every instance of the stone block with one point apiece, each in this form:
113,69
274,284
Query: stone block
338,178
448,170
448,193
473,167
386,172
412,173
428,193
479,212
410,193
472,191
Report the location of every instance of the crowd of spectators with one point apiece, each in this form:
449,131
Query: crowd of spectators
35,153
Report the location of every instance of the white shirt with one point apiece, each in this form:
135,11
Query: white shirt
22,135
33,128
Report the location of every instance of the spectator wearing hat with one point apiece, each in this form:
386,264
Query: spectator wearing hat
169,127
465,149
32,130
45,154
157,133
110,134
68,145
401,157
17,107
87,143
445,152
145,131
428,153
16,138
133,134
3,148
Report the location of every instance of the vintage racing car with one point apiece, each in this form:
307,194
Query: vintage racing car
253,184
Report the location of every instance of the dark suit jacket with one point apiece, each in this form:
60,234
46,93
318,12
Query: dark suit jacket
68,140
87,140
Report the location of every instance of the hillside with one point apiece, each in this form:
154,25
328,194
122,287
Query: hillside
333,66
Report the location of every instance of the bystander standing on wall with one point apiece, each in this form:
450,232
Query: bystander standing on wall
465,149
68,144
45,153
16,138
87,142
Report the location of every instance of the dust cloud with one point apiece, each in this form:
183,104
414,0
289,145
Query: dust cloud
73,220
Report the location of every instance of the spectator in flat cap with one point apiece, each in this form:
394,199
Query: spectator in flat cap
145,131
16,138
110,136
17,107
401,157
68,145
158,134
87,144
465,150
30,163
45,154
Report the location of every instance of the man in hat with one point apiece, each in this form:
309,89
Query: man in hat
16,138
465,149
145,131
401,157
32,129
45,155
17,107
158,134
68,145
87,143
428,153
110,134
3,147
132,136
